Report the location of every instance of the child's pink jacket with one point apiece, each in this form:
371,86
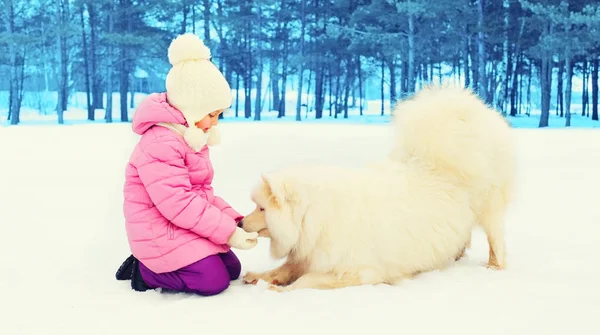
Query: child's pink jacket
172,216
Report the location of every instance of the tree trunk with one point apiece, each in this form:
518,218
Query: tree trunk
481,58
584,93
62,77
467,52
392,68
569,66
515,87
360,87
44,59
185,12
560,91
507,59
237,94
330,89
284,74
259,70
529,88
521,85
319,91
13,111
301,71
124,87
125,25
194,24
308,88
595,70
411,55
546,87
109,68
206,13
20,82
88,99
97,91
274,86
132,95
338,76
516,66
382,87
347,81
258,96
247,94
248,69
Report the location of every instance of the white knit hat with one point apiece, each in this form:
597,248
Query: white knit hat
196,87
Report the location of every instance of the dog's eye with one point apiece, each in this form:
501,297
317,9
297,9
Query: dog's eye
262,209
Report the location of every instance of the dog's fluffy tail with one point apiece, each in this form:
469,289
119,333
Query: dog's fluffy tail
451,130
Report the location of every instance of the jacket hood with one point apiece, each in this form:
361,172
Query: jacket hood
155,109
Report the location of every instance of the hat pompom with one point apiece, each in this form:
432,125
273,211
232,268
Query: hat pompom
214,136
196,138
187,47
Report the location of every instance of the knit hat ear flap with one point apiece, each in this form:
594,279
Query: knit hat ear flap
214,136
195,137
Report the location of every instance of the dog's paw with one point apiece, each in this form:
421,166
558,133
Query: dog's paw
495,267
277,288
251,278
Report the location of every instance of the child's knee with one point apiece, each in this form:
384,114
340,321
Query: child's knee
232,263
234,269
211,287
218,286
209,277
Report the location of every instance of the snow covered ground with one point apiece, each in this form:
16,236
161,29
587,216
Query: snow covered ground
62,239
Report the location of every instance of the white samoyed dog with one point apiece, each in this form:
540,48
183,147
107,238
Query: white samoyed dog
452,168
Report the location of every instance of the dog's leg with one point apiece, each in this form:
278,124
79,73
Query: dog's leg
461,254
492,221
283,275
468,245
497,251
322,281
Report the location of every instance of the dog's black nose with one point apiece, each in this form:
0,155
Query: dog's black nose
240,223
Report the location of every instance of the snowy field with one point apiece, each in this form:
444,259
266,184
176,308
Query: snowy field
63,239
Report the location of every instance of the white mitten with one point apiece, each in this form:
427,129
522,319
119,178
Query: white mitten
240,239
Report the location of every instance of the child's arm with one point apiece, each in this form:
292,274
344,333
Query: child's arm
166,179
226,208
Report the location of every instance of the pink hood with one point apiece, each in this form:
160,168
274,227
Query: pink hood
155,109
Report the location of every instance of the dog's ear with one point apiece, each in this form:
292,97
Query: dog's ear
276,189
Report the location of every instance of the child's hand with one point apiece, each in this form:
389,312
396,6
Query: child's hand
240,239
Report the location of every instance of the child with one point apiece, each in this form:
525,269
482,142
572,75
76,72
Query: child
179,231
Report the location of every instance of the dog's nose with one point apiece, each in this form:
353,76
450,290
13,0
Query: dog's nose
241,223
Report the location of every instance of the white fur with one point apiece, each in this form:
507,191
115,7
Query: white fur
451,169
195,137
187,47
214,136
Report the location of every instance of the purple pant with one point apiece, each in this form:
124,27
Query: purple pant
208,276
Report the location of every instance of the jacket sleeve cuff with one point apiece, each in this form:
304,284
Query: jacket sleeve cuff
232,213
221,204
226,228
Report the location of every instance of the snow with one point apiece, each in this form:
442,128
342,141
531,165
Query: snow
63,239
